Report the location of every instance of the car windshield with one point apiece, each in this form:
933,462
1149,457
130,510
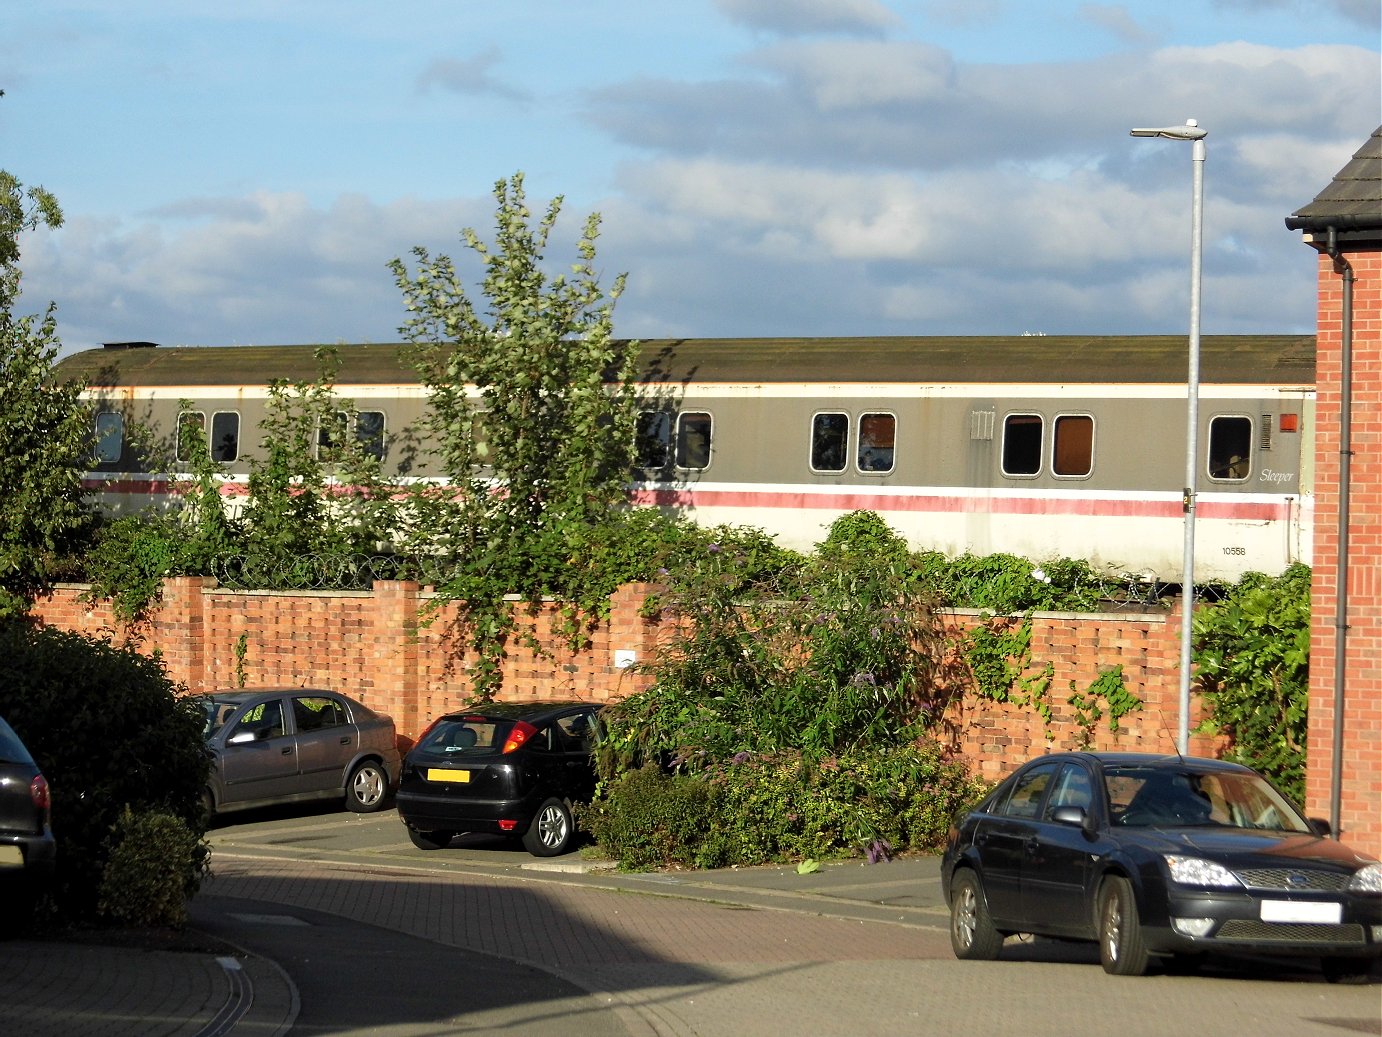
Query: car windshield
1159,797
215,714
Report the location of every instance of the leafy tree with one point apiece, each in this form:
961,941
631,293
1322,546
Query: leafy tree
532,416
316,489
44,434
1252,650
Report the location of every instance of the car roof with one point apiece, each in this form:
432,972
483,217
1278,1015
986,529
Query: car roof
1152,761
530,711
245,694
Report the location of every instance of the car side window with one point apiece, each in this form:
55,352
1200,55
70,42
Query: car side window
542,742
1024,799
576,733
313,713
263,720
1072,789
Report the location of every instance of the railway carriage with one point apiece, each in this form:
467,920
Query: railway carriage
1039,446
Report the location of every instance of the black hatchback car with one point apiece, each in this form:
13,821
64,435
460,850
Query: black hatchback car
1157,856
27,848
506,768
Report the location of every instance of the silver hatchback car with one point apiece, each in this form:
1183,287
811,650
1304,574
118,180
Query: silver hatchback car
286,745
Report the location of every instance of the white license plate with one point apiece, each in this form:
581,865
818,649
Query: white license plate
11,857
1301,911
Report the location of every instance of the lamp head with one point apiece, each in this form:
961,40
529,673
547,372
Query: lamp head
1190,131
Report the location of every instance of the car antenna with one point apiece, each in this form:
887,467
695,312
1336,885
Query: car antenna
1161,715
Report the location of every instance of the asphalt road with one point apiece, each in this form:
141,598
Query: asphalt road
380,937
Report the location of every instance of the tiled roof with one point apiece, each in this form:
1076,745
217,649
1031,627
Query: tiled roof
1353,199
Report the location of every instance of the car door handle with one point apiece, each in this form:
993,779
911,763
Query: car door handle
345,740
287,750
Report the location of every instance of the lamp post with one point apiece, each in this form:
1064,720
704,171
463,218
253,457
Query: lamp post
1190,131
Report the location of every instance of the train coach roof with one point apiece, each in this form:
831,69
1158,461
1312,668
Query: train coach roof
1224,359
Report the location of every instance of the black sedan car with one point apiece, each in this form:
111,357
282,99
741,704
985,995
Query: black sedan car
1157,857
287,745
27,849
506,768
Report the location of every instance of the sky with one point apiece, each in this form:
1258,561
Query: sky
242,173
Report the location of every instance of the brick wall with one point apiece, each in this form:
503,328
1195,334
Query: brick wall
372,645
1360,796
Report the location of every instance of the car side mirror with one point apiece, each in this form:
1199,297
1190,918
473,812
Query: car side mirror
1321,827
241,738
1074,816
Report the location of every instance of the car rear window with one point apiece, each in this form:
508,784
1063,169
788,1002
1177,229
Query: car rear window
11,748
466,736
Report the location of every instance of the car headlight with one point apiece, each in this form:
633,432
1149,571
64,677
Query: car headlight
1195,871
1367,880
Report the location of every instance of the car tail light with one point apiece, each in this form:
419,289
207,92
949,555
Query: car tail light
38,789
521,732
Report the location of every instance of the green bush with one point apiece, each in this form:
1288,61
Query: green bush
646,819
782,807
1252,650
155,863
110,733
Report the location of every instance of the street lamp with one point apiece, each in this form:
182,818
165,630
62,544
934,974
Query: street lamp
1190,131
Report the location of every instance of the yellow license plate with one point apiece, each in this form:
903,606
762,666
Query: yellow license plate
11,857
433,774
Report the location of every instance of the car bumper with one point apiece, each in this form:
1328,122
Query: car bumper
27,853
431,812
1238,924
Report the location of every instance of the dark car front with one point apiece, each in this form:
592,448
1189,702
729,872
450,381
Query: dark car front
1239,891
1181,856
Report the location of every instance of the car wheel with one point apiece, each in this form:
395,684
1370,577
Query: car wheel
367,787
208,805
1352,971
552,830
972,935
430,840
1122,950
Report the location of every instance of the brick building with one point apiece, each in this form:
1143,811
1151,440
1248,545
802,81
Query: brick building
1344,225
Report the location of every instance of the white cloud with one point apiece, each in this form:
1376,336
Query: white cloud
848,76
799,17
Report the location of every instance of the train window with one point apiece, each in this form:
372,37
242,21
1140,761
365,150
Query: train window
225,435
693,440
829,442
1022,444
652,439
1072,445
110,436
330,433
191,434
877,438
1230,447
479,441
369,432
